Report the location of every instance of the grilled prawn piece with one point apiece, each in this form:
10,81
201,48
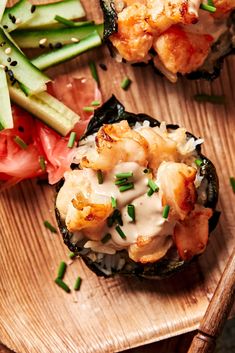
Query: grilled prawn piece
142,198
177,36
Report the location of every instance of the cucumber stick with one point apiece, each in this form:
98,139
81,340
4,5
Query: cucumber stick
67,52
6,120
47,108
50,37
45,14
20,68
17,15
2,7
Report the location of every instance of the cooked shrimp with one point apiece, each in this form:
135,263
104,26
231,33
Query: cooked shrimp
182,51
191,235
176,182
134,38
147,249
116,143
85,215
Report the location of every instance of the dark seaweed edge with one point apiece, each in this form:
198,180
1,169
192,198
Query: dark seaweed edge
112,111
110,27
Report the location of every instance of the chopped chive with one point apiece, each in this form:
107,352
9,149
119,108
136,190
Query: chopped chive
214,99
100,176
153,185
110,221
113,202
88,109
124,175
42,163
120,232
71,255
106,238
61,270
117,216
50,227
126,187
166,211
62,285
94,72
72,139
121,181
64,21
232,182
20,142
125,84
198,162
77,283
207,7
150,192
95,103
146,170
131,212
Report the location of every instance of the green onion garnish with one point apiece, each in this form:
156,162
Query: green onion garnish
62,285
95,103
77,283
20,142
121,181
42,163
94,72
72,139
232,182
150,192
117,216
113,202
166,211
71,255
120,232
214,99
198,162
207,7
88,109
126,187
124,175
125,84
64,21
153,185
131,212
61,270
100,176
106,238
110,221
50,227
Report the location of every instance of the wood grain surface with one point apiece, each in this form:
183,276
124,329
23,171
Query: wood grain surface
111,315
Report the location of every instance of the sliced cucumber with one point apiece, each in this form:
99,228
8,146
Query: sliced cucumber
20,68
67,52
6,120
51,37
45,14
47,108
2,7
17,15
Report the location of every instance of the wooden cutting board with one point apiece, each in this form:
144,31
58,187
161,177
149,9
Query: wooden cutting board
110,315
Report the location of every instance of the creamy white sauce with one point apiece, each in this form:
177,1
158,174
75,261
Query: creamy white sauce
149,221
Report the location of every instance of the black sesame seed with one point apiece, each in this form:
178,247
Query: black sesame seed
12,18
42,46
6,69
9,59
10,73
58,45
103,67
13,63
5,26
20,128
33,8
51,46
2,44
13,81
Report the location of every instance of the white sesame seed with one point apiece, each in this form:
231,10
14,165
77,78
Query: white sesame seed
8,51
43,41
2,66
18,21
75,40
